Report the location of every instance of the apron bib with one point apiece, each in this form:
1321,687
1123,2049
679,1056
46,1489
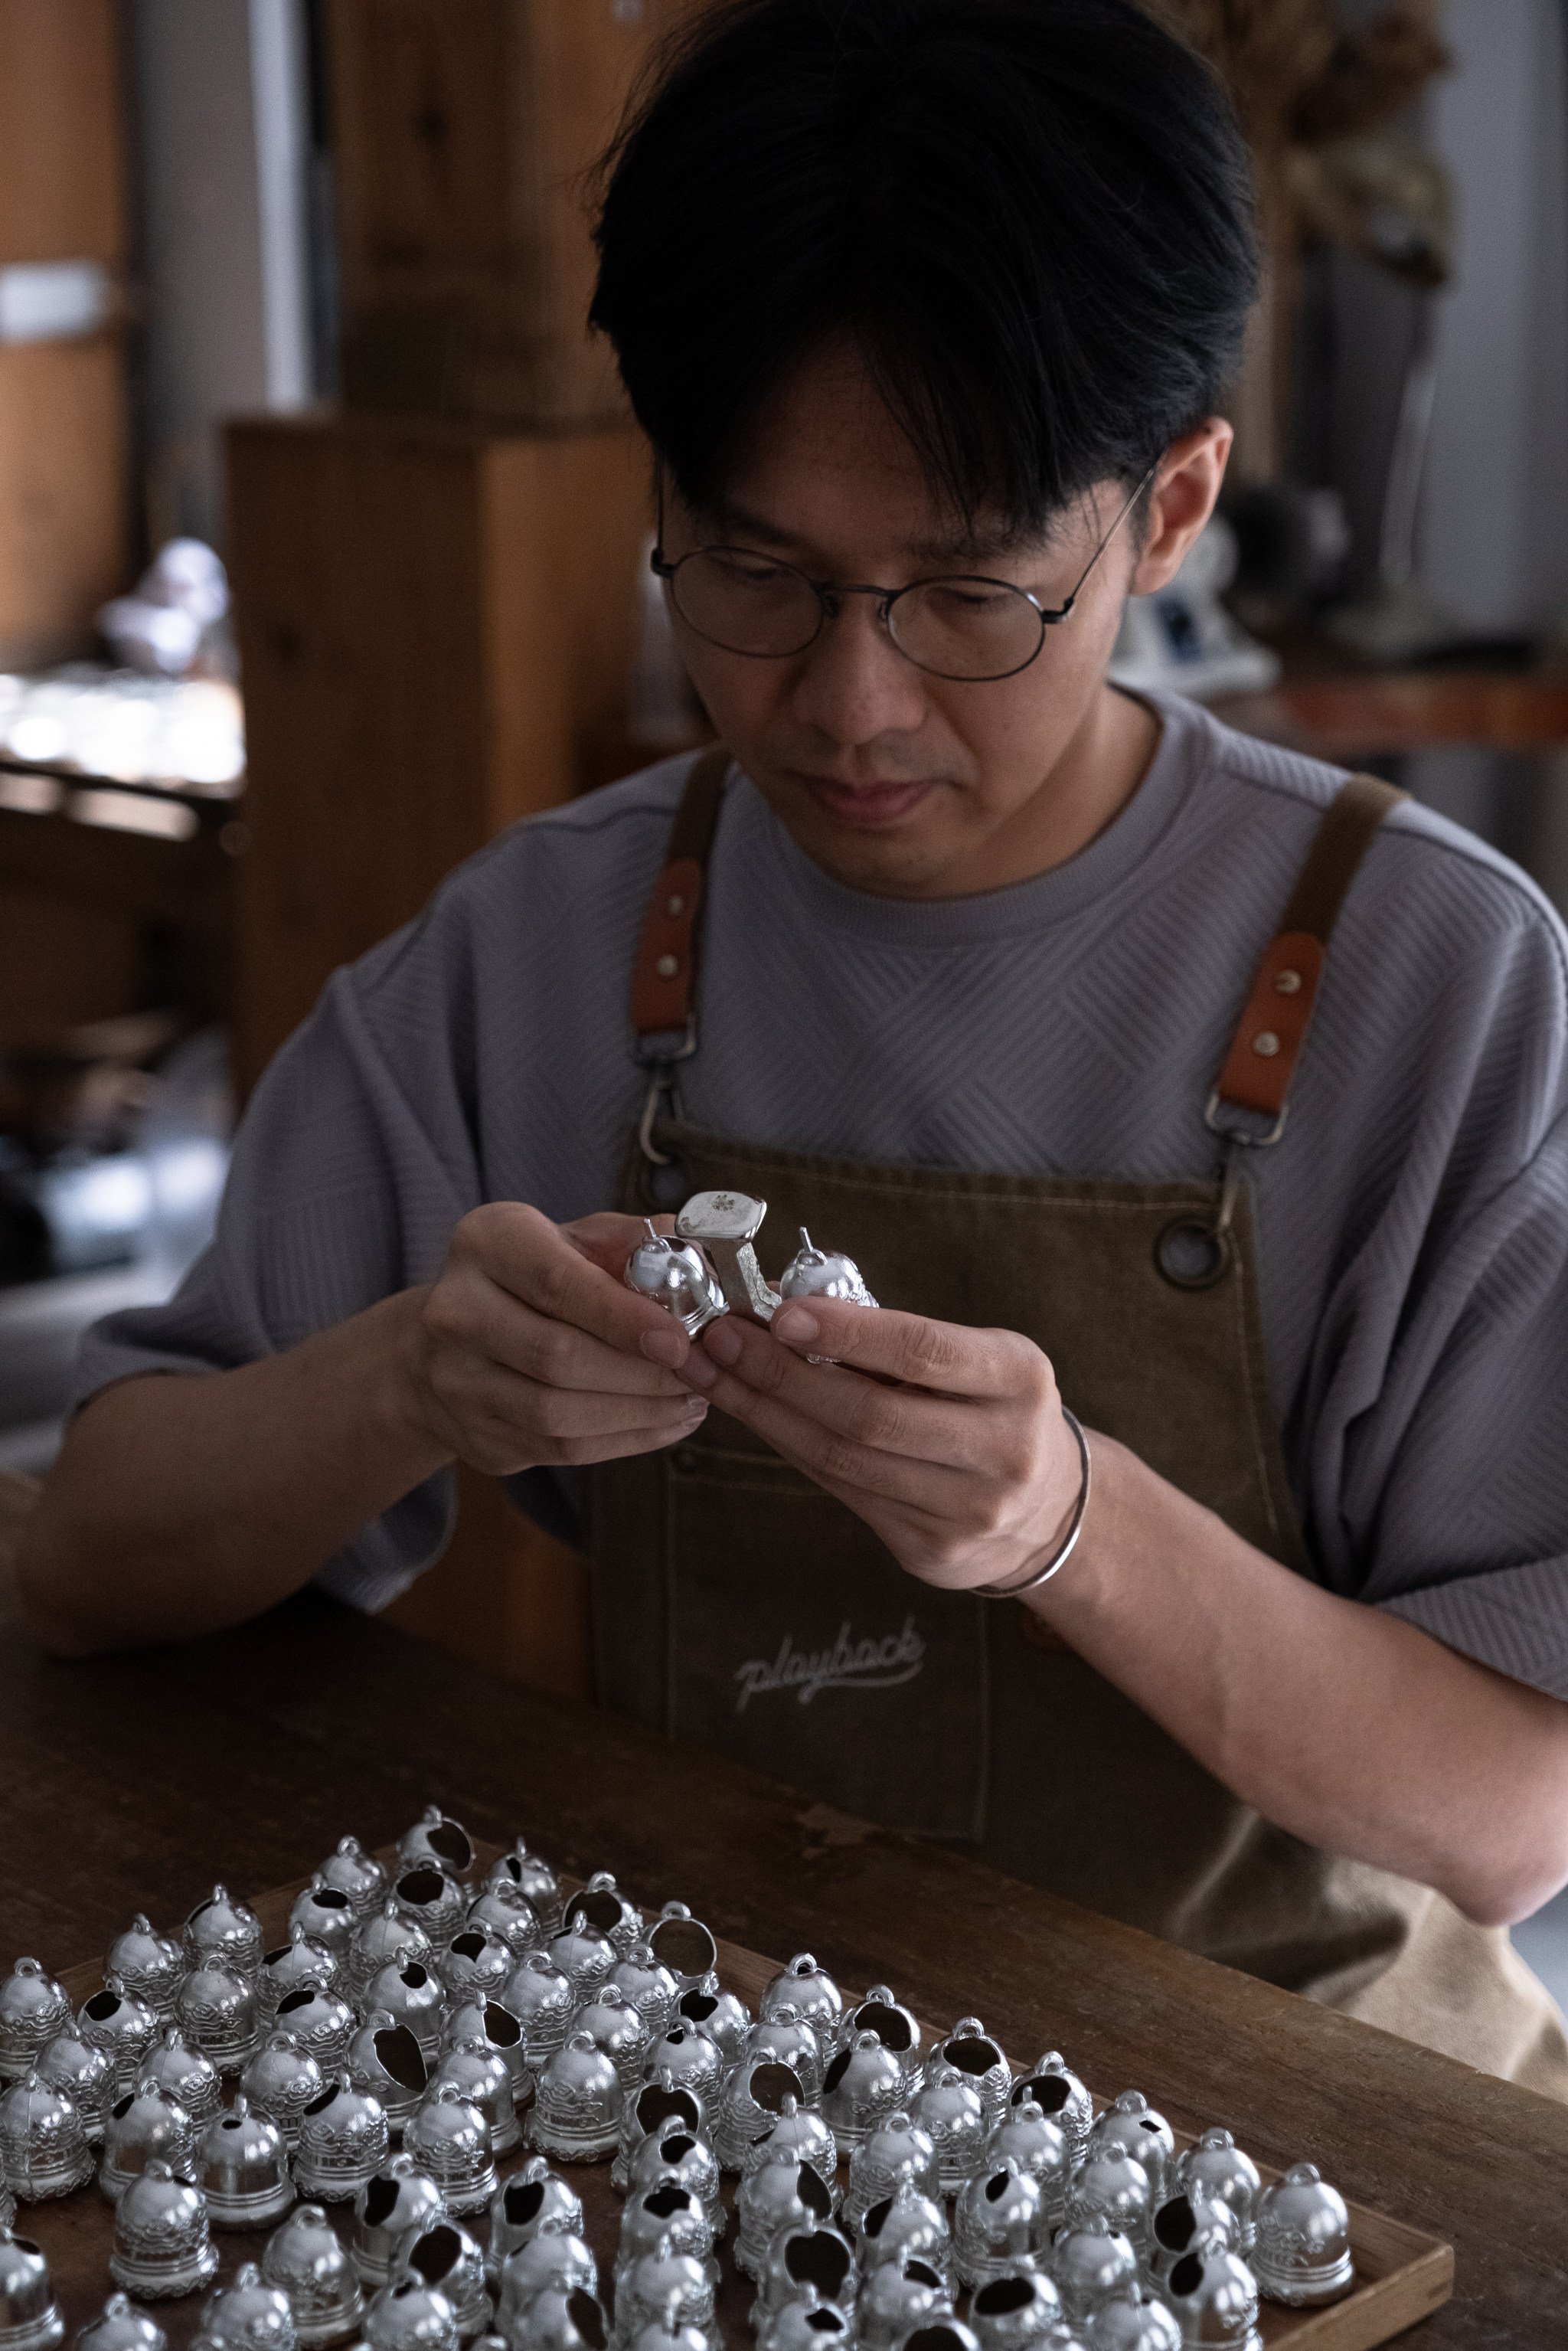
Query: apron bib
740,1606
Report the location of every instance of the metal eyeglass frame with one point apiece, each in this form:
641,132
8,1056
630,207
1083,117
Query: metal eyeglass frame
829,595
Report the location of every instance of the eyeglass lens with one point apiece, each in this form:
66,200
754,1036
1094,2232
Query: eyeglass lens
963,628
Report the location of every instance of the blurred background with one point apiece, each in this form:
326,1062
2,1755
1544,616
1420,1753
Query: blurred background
322,533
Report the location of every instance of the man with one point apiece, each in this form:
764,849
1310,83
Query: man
1007,984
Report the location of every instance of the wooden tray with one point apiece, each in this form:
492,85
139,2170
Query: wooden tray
1402,2275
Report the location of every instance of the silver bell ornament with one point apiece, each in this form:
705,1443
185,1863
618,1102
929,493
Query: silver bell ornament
241,2166
684,2054
145,2123
411,2317
787,2040
722,2015
806,1986
497,2029
895,2150
122,2026
1114,2183
1015,2308
815,2261
450,2138
357,1874
1133,2320
226,1933
945,2332
33,2009
1130,2126
533,1876
534,2199
44,2151
652,1988
1000,2221
576,2113
1216,2171
324,1914
1037,2146
558,2320
506,1916
436,1837
411,1994
612,2024
668,2212
800,2326
84,2074
151,1965
429,1899
749,2104
662,2284
477,2073
556,2261
970,2050
476,1966
812,1272
118,2326
895,2298
385,1939
661,2104
950,2110
7,2206
1061,2098
1302,2253
906,2225
894,2026
542,2000
30,2317
249,2315
343,2139
162,2246
686,1947
1090,2262
675,1276
322,2022
799,2131
184,2074
601,1906
864,2084
584,1957
394,2202
281,2081
666,2334
1182,2222
678,2159
304,2259
1213,2297
217,2011
446,2257
783,2194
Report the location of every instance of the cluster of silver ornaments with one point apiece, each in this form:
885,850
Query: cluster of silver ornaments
708,1266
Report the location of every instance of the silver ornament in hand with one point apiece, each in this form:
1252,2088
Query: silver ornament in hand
675,1277
812,1272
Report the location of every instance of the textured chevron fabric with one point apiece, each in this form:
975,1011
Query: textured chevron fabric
1413,1221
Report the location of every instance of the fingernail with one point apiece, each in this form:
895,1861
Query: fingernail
665,1345
796,1327
722,1344
696,1408
697,1370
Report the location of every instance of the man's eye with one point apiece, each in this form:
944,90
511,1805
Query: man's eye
744,571
969,597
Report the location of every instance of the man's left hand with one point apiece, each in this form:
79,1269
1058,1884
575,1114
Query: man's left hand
954,1452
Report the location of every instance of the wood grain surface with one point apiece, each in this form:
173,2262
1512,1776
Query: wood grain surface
131,1782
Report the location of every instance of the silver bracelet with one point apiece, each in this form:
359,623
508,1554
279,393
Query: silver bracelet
1031,1582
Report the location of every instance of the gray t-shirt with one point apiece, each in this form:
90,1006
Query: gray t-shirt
1413,1220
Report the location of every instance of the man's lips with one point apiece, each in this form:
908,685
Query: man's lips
867,805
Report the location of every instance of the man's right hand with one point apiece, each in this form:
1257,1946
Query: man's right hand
528,1349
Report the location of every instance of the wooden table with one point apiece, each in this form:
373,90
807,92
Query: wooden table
131,1782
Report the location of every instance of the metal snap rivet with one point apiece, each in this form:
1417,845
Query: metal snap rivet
667,967
676,906
1191,1254
1288,983
1266,1043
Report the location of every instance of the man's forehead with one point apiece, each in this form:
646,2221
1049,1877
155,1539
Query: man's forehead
934,538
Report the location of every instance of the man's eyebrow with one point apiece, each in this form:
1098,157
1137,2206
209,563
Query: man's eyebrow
962,546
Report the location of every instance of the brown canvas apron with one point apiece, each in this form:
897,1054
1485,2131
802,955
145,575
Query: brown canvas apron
739,1605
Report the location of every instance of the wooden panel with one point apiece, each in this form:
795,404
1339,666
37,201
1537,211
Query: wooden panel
61,161
434,624
462,137
62,962
1366,715
64,545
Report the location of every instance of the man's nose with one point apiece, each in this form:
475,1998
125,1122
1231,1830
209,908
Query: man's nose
854,684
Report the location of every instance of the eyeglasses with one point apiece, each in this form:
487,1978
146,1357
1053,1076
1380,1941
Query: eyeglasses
964,627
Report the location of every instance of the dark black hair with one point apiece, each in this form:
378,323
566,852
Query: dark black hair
1034,218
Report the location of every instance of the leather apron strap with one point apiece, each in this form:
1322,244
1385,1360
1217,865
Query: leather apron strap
663,980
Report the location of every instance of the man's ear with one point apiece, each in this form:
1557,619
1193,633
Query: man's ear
1180,502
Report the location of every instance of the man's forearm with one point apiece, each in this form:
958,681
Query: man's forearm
181,1504
1346,1726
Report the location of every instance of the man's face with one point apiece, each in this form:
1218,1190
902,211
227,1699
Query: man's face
890,779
